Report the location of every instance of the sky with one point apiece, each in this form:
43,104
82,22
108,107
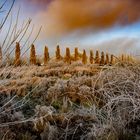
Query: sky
109,25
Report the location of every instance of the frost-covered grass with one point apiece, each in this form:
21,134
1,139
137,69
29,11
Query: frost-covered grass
70,102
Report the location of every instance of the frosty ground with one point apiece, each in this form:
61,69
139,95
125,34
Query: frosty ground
62,101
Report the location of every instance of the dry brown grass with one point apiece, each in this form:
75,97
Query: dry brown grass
71,104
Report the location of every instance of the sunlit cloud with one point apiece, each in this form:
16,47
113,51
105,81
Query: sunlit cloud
84,22
64,16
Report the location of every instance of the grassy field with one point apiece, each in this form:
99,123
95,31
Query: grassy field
77,101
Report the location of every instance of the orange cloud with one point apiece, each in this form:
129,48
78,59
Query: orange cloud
64,16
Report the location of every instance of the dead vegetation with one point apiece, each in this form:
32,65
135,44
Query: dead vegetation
69,58
70,97
102,104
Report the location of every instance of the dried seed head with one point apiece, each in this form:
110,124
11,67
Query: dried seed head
32,55
91,58
57,53
107,59
17,55
112,60
76,54
102,62
122,57
46,55
84,57
68,56
97,58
